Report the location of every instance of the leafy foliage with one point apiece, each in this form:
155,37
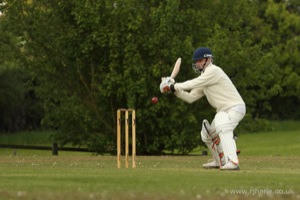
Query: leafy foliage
89,58
20,108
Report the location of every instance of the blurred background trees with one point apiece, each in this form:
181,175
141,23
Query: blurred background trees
68,65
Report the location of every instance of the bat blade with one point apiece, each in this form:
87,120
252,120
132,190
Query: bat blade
176,68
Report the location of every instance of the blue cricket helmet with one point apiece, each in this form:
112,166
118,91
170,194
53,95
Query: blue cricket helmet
202,52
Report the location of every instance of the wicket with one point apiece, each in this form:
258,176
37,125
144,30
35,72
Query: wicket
133,136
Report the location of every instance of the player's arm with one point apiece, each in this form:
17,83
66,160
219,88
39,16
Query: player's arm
191,96
209,77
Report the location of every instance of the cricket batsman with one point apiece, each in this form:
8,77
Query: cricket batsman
221,95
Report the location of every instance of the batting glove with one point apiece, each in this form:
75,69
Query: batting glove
167,85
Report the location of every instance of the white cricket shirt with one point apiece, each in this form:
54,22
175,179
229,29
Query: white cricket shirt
215,85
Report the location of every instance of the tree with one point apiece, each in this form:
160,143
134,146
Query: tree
90,58
20,108
277,29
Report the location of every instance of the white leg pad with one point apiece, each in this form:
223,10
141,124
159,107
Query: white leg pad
229,147
212,141
225,128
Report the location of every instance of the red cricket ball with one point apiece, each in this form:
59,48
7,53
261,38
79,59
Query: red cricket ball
154,100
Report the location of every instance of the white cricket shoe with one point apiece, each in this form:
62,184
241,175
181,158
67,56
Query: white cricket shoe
230,166
211,165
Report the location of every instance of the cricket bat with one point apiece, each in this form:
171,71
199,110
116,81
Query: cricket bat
174,73
176,68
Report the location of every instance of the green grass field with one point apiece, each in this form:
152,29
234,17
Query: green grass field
269,170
